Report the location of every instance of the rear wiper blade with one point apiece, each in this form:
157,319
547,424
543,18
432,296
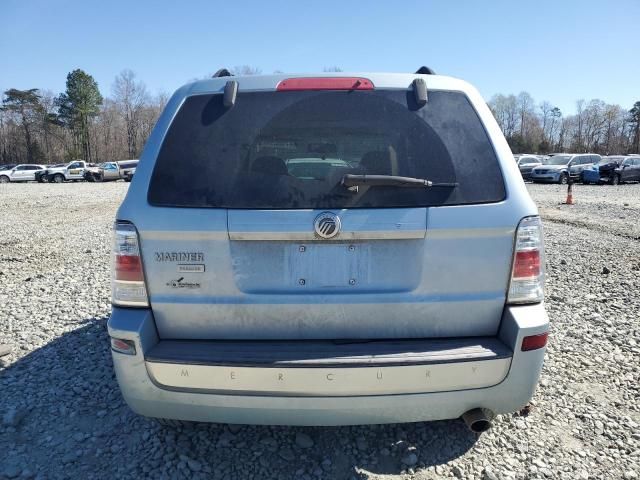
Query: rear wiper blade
350,180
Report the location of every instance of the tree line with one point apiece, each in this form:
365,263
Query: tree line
596,127
37,126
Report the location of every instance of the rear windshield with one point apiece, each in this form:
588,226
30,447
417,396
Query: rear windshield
559,160
292,149
529,161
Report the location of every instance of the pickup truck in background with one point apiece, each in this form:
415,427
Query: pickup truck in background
42,176
72,171
111,171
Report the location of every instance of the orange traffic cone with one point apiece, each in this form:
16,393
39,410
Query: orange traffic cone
569,200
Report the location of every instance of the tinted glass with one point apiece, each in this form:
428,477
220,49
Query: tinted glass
292,149
609,159
559,160
528,160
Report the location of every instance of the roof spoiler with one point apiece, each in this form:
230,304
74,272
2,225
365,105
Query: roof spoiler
425,71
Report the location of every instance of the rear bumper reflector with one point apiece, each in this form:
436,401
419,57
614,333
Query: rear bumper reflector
534,342
127,347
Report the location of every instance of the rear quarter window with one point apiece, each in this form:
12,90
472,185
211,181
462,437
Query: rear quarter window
287,150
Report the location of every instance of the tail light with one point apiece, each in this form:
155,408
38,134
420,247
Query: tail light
527,273
127,282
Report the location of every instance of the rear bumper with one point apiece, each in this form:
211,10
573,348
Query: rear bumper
593,176
545,177
147,397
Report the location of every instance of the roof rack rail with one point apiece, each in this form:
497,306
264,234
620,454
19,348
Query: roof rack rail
223,72
425,71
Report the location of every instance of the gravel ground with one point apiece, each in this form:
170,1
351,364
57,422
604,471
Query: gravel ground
62,416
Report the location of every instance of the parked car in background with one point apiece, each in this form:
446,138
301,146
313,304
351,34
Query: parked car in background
72,171
628,171
103,172
7,166
603,171
255,274
43,175
128,169
561,167
111,171
20,173
526,163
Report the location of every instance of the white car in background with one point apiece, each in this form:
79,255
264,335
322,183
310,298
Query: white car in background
20,173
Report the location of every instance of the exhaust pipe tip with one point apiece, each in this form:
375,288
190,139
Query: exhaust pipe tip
477,420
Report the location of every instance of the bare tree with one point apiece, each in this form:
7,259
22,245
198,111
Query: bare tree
578,142
130,96
525,107
556,115
505,110
246,70
545,110
151,113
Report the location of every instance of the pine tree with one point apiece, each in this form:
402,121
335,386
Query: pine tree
77,107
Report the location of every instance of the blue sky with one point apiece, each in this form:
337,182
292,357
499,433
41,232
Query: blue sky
556,50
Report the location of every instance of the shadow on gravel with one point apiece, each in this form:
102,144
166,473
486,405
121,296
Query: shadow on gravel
62,402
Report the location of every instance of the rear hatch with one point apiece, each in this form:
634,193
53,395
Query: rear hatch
253,235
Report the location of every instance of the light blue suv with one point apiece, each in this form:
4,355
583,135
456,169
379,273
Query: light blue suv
327,249
564,167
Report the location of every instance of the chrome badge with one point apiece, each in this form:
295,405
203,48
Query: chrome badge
327,225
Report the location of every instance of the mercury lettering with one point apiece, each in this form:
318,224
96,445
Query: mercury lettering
179,257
